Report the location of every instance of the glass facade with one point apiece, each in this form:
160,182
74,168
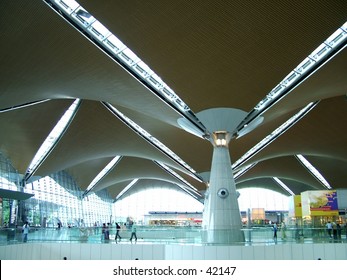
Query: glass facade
9,178
58,199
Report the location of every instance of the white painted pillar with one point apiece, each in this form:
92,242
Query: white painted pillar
222,219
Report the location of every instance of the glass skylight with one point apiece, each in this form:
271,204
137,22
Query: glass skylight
133,182
244,170
190,188
52,138
142,132
103,173
283,185
306,67
274,134
313,171
22,106
117,50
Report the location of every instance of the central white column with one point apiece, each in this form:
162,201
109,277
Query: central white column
222,220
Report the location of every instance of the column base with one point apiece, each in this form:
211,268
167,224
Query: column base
223,236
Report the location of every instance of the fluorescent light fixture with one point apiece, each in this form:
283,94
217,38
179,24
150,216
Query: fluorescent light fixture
52,139
103,173
313,171
133,182
83,21
154,141
283,185
274,134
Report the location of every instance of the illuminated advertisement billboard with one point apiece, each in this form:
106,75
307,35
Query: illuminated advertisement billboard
319,203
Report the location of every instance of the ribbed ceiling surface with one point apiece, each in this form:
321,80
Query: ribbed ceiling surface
211,53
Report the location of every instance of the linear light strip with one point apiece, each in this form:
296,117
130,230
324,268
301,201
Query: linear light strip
189,189
283,185
315,173
177,176
244,170
83,21
52,139
275,134
321,55
132,183
106,170
23,105
152,140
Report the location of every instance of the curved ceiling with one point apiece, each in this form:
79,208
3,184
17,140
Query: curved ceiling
211,53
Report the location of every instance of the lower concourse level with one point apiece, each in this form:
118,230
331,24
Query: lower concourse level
64,224
169,243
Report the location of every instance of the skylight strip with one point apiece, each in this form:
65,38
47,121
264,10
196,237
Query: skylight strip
187,187
177,176
334,44
84,22
338,38
108,168
151,139
283,185
244,170
52,139
188,192
132,183
275,134
313,171
23,105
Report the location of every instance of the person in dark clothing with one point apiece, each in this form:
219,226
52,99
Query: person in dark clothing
275,228
339,230
133,232
334,231
105,233
117,232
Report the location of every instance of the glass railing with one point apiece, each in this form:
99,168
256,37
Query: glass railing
171,235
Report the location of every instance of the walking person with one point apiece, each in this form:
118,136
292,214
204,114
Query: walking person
117,232
334,231
133,232
329,227
25,231
339,230
297,231
275,228
283,230
105,233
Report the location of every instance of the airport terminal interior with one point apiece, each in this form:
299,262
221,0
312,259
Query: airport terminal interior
173,130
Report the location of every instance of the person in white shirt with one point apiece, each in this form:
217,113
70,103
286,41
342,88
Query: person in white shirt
329,227
25,231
